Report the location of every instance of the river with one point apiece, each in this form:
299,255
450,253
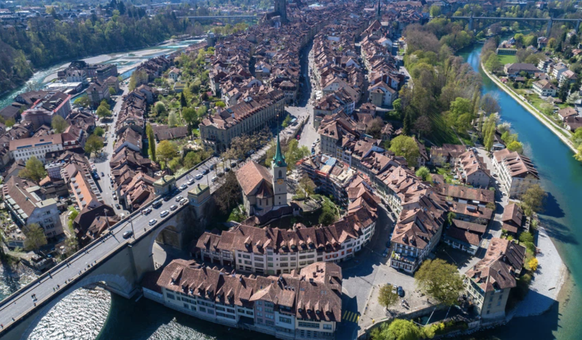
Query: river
561,177
88,314
125,61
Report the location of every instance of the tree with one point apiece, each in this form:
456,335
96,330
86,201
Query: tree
35,237
151,142
93,144
220,104
59,124
397,104
166,150
493,64
99,131
10,122
160,108
533,199
387,297
190,116
435,11
295,153
423,173
286,121
489,132
439,280
192,158
172,119
175,164
578,155
489,104
83,101
328,213
229,194
307,185
183,102
423,125
563,91
399,329
515,146
460,114
375,128
103,110
34,170
533,264
112,91
406,147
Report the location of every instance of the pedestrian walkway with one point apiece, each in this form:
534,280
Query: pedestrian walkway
350,316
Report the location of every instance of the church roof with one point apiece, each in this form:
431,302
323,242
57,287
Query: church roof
279,159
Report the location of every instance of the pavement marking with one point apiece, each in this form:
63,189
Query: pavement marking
350,316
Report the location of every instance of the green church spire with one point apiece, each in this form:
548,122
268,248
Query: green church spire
279,159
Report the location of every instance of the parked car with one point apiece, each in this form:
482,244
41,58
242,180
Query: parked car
400,291
205,172
114,196
102,174
183,201
157,204
190,181
153,221
214,178
146,211
179,198
183,187
164,213
199,176
117,207
168,197
127,234
173,207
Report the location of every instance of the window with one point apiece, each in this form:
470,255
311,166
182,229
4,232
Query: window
285,319
327,326
170,296
280,174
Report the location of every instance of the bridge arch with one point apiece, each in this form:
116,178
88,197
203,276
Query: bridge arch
166,235
113,281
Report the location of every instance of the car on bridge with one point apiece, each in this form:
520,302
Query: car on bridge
205,172
127,234
157,204
173,207
153,221
199,176
183,201
179,198
164,213
183,187
146,211
190,181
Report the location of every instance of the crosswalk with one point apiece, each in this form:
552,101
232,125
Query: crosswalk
350,316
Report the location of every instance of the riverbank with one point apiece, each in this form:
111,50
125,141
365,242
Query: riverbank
557,130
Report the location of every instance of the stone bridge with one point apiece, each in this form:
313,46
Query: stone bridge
549,21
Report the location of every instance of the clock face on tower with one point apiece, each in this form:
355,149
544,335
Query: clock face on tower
280,181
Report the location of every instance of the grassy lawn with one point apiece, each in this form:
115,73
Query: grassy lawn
507,59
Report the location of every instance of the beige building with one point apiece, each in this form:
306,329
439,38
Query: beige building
489,282
516,172
246,117
302,305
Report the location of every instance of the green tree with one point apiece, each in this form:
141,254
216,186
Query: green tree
295,153
375,128
387,296
112,91
398,329
175,164
83,101
172,119
160,108
10,122
406,147
220,104
493,64
435,11
533,199
59,124
99,131
439,280
460,114
489,132
515,146
35,237
103,110
423,173
286,121
166,150
578,155
397,105
192,158
151,142
190,116
34,170
328,213
307,186
93,144
183,102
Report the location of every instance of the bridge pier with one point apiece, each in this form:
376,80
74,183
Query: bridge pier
471,23
577,25
549,28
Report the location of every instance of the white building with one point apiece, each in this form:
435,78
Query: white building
516,172
25,148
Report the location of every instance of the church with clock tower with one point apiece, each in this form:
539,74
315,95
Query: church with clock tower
264,190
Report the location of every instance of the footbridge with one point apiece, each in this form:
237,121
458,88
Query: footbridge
549,21
112,259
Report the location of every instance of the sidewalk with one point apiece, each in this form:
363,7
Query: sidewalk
540,116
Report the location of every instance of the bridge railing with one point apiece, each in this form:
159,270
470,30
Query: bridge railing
8,300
